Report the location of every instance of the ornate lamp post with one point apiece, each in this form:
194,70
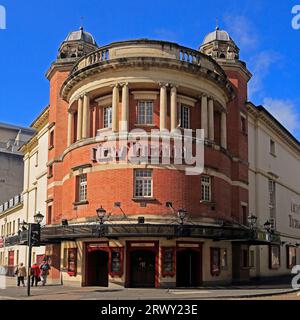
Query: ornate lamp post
268,229
252,219
33,236
101,213
181,215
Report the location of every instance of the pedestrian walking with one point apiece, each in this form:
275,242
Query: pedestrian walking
21,273
35,273
45,268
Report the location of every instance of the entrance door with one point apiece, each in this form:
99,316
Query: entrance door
142,269
97,269
188,269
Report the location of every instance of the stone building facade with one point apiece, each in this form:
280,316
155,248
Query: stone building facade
11,159
32,197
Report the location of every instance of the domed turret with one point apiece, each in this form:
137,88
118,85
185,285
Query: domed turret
220,45
77,44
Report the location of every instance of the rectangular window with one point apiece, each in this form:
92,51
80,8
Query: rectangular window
215,262
206,189
145,112
49,215
274,257
107,117
143,184
168,262
82,188
272,147
51,139
185,117
244,125
291,257
72,262
245,216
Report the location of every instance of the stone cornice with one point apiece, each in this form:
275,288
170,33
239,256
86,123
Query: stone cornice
147,62
260,113
61,65
39,123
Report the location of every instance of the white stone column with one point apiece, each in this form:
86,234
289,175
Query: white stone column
79,119
174,121
204,115
224,130
211,121
163,107
124,125
70,127
86,117
115,108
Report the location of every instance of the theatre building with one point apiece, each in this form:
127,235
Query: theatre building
144,224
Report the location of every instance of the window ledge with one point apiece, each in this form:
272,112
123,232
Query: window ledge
208,202
145,199
80,203
51,148
145,125
50,176
273,154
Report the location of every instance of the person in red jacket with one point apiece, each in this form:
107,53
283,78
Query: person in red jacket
35,273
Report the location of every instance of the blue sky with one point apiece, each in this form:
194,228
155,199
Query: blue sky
262,30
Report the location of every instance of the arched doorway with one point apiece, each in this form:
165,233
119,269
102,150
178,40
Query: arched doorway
142,273
188,268
97,269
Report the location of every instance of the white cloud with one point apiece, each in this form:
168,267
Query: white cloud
285,112
260,66
242,31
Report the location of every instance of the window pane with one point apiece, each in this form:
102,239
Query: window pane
145,112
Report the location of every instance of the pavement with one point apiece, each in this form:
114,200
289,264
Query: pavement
279,291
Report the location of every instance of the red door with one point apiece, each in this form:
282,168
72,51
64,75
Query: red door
11,258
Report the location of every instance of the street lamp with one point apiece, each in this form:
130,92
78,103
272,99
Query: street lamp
268,226
38,218
33,236
101,213
252,219
181,215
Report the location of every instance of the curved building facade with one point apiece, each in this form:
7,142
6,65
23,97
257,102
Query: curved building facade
157,226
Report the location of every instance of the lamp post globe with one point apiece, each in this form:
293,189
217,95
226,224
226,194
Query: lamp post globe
267,226
101,213
38,218
252,219
181,215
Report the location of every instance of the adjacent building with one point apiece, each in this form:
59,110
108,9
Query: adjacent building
11,159
274,194
32,198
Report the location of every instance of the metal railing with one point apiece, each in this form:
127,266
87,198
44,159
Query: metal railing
148,48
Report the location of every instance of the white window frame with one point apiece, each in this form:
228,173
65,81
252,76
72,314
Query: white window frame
206,186
145,118
144,178
107,117
185,123
82,188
